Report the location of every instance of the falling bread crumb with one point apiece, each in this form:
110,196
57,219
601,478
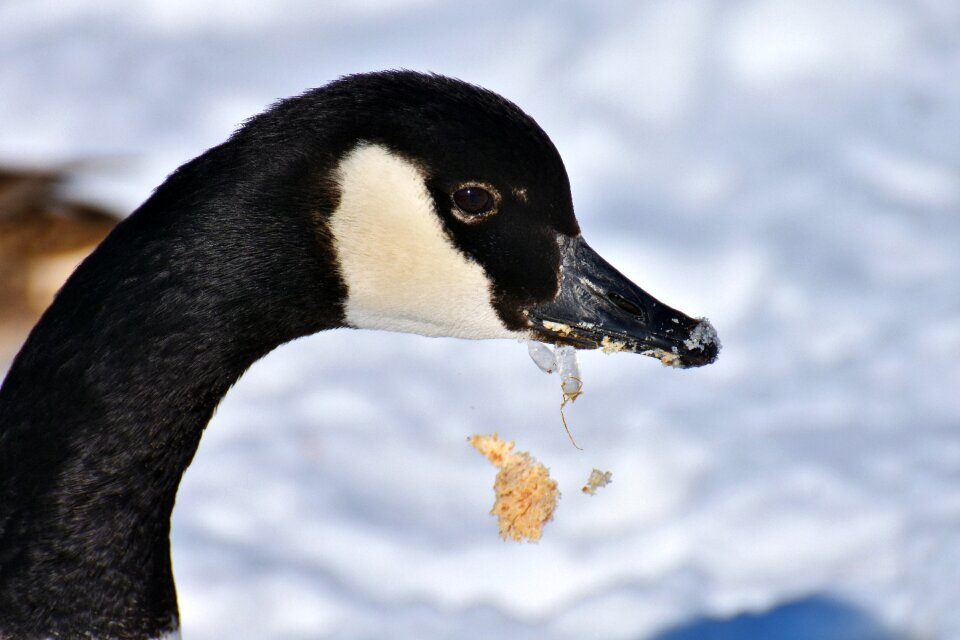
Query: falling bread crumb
526,496
596,480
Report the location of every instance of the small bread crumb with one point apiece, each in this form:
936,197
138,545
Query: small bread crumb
609,345
666,358
596,480
526,496
563,329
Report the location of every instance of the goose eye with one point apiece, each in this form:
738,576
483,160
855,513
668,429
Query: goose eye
474,200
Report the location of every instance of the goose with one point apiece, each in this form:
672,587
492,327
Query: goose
43,235
392,200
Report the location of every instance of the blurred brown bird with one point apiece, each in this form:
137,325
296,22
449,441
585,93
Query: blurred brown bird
43,236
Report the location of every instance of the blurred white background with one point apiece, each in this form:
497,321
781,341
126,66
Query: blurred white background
789,168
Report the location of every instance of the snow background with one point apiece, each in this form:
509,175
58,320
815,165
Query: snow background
789,168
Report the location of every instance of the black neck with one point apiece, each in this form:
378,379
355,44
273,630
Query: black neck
104,407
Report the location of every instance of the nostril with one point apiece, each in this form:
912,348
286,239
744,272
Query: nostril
627,306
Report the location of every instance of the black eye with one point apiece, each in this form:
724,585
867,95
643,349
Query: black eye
474,200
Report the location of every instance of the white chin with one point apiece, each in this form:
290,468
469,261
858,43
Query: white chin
469,328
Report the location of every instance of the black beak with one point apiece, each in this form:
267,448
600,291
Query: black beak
597,306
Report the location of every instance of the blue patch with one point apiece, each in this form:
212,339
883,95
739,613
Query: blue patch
817,617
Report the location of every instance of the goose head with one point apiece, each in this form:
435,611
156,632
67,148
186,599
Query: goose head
453,216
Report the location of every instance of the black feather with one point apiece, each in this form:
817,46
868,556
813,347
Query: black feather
104,407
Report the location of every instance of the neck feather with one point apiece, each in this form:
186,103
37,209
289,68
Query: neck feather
103,409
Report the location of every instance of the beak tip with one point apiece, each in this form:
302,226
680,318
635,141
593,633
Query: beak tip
702,346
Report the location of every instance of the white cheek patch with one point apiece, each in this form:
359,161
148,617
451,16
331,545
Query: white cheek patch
401,271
